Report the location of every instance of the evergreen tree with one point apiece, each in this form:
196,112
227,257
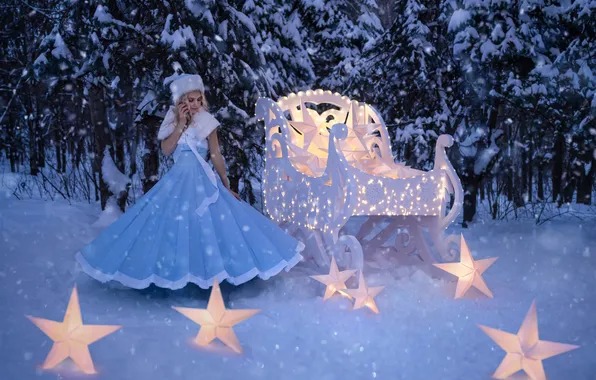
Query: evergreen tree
287,65
576,68
513,81
337,32
215,40
407,77
497,44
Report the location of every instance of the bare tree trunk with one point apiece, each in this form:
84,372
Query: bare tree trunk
569,190
58,152
540,180
123,121
508,172
134,132
518,167
63,151
102,137
80,151
407,153
33,159
524,166
61,140
38,114
41,148
470,180
150,126
11,142
579,182
13,160
495,202
57,144
80,128
530,169
122,106
123,195
119,148
518,195
557,171
569,184
509,179
32,129
71,139
470,198
133,150
3,146
588,184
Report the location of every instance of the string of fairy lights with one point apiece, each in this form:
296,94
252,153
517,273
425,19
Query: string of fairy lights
292,190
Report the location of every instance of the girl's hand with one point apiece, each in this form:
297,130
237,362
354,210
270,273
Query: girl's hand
234,194
183,114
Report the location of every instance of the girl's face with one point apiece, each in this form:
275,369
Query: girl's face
194,100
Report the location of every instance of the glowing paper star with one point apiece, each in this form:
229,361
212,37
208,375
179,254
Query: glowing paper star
335,280
309,131
524,350
72,338
468,271
361,132
216,321
308,164
365,296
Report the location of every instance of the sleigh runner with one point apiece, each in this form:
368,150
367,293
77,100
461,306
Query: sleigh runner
329,158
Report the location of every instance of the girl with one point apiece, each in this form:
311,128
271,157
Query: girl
190,227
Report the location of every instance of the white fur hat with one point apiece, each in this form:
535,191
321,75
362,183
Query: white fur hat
185,83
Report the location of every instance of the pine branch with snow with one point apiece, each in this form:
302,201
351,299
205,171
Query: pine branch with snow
116,180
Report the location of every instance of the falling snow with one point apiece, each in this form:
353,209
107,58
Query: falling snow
420,333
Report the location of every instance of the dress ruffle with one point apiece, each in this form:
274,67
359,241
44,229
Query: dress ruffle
134,283
165,239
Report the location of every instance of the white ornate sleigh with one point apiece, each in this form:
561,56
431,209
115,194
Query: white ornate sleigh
329,159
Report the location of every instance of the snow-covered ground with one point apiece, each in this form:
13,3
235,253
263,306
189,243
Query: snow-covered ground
420,333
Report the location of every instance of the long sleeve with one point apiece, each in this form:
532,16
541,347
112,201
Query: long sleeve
168,124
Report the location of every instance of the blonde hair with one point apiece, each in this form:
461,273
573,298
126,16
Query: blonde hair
183,98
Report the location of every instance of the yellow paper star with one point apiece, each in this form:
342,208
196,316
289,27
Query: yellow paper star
216,321
468,271
524,350
365,296
72,338
335,280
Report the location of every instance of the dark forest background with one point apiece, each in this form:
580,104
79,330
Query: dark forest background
83,89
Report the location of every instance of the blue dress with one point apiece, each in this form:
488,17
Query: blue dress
189,228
